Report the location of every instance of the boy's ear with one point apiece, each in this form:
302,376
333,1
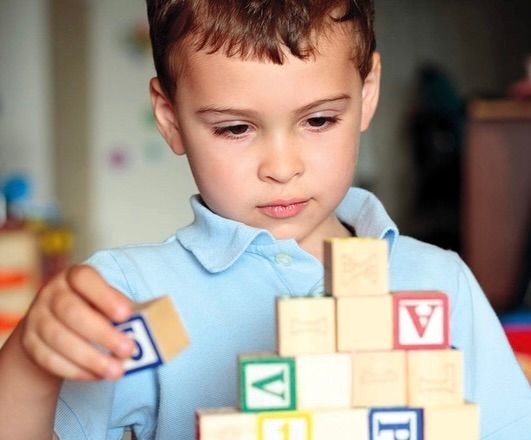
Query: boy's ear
165,117
371,92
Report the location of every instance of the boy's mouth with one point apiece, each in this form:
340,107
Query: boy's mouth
283,208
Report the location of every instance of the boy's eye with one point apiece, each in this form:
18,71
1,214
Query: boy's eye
231,130
322,122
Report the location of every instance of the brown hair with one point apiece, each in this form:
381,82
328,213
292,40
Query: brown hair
254,28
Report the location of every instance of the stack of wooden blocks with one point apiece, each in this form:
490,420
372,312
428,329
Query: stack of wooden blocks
359,363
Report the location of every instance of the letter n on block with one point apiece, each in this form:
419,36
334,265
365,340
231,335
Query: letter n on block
396,423
267,383
420,320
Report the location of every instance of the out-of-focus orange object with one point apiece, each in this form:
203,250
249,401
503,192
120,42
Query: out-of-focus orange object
13,278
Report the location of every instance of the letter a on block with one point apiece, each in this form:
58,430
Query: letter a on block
420,320
396,423
267,384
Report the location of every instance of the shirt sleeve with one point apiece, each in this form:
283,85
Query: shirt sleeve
493,378
103,409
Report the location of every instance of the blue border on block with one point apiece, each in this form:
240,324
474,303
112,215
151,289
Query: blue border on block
158,362
418,411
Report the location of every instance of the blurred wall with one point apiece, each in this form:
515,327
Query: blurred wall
25,94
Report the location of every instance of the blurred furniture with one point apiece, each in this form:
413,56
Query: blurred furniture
497,196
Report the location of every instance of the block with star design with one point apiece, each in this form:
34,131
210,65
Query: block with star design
421,320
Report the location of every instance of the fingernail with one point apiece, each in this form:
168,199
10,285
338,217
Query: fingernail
113,370
125,348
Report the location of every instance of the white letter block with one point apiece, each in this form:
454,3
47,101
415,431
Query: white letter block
341,424
158,334
396,423
323,381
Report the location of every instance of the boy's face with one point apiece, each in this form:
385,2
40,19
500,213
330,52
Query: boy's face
272,146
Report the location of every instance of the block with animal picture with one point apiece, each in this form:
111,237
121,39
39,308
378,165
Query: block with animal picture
157,331
306,325
356,266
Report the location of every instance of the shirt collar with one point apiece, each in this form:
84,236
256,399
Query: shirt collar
218,242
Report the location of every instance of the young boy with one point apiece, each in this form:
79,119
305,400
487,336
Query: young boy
267,100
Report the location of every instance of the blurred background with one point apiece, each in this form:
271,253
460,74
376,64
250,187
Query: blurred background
82,166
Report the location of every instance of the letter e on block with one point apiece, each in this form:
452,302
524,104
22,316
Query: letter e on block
267,383
158,334
396,423
420,320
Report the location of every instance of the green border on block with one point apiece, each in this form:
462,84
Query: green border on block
290,361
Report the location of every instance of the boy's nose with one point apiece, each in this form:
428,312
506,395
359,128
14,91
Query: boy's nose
280,163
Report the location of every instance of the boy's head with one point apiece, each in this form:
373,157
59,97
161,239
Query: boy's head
269,115
260,29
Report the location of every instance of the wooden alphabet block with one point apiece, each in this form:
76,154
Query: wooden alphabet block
379,378
356,266
459,422
158,334
435,377
395,423
267,383
323,381
306,325
289,425
364,323
421,320
341,424
225,424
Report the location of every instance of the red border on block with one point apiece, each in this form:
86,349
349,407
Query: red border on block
421,294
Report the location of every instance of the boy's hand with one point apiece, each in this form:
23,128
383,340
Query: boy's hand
69,318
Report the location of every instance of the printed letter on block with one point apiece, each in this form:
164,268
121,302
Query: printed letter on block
267,384
157,331
421,320
146,354
296,425
396,423
356,266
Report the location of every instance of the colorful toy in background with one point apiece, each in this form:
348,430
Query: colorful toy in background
359,363
34,246
517,327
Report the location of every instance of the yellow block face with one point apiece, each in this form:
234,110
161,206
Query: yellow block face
459,422
306,325
287,425
379,378
356,266
226,424
364,323
341,424
323,381
435,377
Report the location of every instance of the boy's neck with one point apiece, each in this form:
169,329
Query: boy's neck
315,247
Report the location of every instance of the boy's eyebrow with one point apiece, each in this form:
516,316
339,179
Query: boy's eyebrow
249,112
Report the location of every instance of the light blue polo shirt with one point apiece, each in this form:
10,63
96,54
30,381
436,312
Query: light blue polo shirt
224,277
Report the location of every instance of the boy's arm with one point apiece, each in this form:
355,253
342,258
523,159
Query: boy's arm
55,341
29,394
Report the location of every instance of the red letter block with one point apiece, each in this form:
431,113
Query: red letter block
420,320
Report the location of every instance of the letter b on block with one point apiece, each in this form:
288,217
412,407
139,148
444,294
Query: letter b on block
267,384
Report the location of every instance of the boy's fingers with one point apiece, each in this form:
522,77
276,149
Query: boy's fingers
55,363
90,284
90,325
65,351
